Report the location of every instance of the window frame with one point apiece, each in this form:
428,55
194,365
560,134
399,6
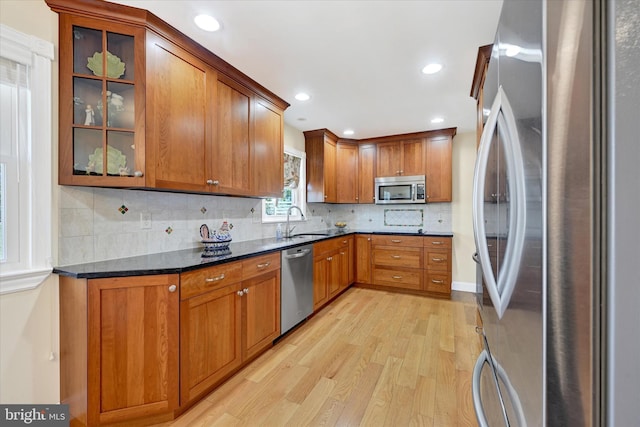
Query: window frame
302,191
34,195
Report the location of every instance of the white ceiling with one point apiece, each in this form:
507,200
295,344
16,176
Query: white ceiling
360,60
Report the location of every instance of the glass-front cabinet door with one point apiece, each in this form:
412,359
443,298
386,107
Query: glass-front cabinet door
101,103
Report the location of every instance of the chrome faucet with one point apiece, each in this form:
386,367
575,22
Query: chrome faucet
288,229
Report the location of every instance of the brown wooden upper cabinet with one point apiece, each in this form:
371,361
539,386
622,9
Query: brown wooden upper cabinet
366,172
320,146
142,105
401,158
347,172
438,168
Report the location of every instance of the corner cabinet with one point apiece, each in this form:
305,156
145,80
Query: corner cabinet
320,146
143,106
119,348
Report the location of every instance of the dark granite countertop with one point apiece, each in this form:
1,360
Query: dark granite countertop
192,259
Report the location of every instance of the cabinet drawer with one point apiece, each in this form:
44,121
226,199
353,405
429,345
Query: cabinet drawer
203,280
396,240
406,278
437,242
330,245
439,283
405,257
436,259
258,265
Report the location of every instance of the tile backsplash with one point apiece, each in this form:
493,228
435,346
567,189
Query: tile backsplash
97,224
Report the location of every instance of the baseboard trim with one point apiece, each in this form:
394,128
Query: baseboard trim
463,286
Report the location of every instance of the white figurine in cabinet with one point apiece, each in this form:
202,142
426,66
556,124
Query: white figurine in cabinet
89,118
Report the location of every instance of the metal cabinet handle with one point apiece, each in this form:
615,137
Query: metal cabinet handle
213,182
263,265
396,277
437,259
240,293
344,242
172,288
436,243
368,239
245,290
439,282
214,279
395,256
342,253
396,241
138,174
330,258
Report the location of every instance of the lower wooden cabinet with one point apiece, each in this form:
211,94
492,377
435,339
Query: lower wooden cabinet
119,348
234,316
333,268
413,263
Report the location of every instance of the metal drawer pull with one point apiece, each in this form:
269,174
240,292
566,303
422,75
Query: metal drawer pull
436,243
172,288
440,282
395,256
245,290
214,279
396,277
342,253
330,258
437,259
263,265
396,240
240,293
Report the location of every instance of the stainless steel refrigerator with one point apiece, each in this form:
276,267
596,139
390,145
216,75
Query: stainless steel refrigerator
556,208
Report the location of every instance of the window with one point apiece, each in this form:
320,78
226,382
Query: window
294,192
25,160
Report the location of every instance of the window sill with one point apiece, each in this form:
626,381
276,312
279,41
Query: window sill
24,280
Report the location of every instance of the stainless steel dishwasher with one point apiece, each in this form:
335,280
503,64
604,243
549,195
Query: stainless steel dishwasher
296,293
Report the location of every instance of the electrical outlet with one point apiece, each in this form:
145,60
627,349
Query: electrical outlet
145,220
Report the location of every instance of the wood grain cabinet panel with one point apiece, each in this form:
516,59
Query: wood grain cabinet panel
439,169
132,339
332,269
366,173
180,91
401,158
229,170
347,173
320,147
268,149
363,258
261,301
437,254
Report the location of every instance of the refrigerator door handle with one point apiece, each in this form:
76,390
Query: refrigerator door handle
501,118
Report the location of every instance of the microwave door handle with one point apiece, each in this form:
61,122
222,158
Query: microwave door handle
414,193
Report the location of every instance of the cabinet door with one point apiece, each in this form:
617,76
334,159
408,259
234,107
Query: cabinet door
262,307
366,173
230,153
413,158
320,280
363,258
438,169
388,159
180,90
351,260
330,194
268,172
210,339
133,347
347,173
102,128
334,270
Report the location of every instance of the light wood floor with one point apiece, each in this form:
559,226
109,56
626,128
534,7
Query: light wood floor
370,358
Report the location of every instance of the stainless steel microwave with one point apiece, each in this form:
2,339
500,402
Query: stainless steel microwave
400,189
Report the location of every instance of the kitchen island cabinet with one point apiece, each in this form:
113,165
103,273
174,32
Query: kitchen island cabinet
176,117
119,348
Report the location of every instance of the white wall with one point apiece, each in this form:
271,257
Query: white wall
29,320
464,157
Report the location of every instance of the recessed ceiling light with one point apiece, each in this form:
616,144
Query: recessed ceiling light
348,132
303,96
207,22
437,120
432,68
